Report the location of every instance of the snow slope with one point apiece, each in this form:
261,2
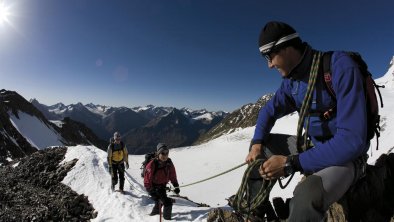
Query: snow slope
36,132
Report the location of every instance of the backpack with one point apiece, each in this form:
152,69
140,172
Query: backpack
118,148
373,117
112,145
148,158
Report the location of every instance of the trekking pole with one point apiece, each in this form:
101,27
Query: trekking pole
169,189
160,213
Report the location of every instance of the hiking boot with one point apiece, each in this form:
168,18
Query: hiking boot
155,210
167,212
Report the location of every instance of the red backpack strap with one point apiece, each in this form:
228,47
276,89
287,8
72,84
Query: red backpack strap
326,63
327,73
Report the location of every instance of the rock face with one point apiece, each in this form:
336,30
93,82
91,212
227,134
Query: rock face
32,191
176,129
244,117
12,143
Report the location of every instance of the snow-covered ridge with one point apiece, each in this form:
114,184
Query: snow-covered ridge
105,111
387,79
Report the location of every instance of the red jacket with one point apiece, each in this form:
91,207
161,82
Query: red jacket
159,173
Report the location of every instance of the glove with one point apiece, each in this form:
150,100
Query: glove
152,192
127,165
176,190
110,169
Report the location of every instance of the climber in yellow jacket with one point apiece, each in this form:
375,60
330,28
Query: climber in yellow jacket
117,156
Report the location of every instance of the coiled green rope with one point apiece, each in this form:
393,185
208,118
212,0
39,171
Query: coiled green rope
241,201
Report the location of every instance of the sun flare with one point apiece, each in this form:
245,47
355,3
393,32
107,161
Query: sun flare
5,13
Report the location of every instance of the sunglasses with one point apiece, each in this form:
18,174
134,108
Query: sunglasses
270,54
268,57
165,153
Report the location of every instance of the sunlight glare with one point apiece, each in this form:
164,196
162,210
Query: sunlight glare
5,13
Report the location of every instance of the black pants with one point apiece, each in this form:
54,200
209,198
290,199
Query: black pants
118,169
158,193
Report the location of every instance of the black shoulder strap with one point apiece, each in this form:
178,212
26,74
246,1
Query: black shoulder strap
327,73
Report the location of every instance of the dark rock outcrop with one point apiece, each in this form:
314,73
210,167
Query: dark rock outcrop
12,143
32,191
78,133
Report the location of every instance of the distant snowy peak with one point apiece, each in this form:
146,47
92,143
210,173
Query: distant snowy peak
57,106
156,111
101,110
152,109
143,108
203,114
388,79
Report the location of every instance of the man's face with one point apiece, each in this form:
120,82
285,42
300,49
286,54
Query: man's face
281,61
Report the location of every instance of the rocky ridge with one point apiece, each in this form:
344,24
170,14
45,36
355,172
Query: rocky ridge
32,190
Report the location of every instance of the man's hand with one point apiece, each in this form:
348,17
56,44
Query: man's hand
177,191
127,165
255,151
273,167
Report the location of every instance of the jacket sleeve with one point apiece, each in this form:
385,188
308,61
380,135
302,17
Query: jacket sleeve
109,155
173,177
349,141
280,105
148,176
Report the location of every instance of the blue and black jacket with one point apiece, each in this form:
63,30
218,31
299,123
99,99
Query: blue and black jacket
340,139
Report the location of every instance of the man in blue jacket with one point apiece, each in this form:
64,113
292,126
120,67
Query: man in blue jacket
339,142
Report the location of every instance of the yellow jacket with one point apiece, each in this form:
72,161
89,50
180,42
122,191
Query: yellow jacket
117,153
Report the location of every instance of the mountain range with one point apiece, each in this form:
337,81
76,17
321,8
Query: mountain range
141,127
19,116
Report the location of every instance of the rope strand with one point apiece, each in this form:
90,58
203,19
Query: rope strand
200,181
304,112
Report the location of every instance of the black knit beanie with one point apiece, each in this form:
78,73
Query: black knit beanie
277,35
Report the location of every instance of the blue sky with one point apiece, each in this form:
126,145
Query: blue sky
184,53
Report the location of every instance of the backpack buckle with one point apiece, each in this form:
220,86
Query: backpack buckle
327,115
